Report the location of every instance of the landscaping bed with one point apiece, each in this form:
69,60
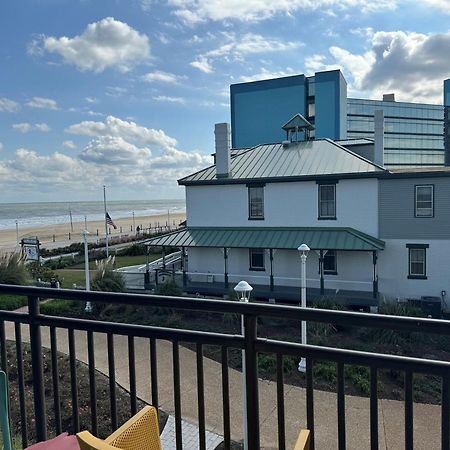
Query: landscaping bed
103,401
427,388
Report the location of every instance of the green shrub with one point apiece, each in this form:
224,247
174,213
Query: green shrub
133,250
325,370
13,269
394,337
59,307
359,376
43,273
319,330
106,280
12,302
169,288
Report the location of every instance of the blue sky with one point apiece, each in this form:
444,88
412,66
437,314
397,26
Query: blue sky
126,92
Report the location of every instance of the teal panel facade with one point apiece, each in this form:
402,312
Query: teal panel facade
259,109
330,105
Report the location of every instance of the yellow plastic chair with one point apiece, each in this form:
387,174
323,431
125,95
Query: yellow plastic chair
141,432
302,441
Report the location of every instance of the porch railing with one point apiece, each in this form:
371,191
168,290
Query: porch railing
249,341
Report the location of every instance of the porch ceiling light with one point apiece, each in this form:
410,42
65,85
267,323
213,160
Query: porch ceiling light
243,289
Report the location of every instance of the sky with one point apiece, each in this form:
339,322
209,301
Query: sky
126,92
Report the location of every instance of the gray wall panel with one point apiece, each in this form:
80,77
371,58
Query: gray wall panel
396,210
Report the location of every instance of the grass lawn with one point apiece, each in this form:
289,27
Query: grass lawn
122,261
12,302
68,277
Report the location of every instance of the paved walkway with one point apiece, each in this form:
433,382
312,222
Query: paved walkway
391,413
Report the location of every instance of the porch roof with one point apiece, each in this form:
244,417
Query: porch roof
317,238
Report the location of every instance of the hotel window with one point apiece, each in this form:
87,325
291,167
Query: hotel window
417,261
256,202
256,256
327,201
424,196
330,263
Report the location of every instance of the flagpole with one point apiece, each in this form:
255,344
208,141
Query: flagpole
106,223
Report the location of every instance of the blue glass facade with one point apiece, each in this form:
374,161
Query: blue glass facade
259,109
413,132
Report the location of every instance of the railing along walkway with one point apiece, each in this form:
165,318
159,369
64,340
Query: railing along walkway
367,423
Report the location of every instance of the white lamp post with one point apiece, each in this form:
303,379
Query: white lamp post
17,234
303,249
243,290
88,307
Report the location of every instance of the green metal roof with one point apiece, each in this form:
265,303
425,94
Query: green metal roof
276,238
306,159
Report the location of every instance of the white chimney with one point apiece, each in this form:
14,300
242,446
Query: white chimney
378,156
222,134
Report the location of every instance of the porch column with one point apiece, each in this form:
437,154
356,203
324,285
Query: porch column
225,261
271,270
164,257
183,265
375,273
322,283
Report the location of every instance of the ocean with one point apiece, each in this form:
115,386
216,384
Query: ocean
42,214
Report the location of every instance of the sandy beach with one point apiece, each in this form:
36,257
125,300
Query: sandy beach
52,236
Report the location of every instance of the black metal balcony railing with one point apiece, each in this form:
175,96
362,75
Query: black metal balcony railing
249,341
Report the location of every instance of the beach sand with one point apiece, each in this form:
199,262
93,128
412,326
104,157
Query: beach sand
52,236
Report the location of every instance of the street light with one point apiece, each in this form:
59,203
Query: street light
243,290
303,249
88,307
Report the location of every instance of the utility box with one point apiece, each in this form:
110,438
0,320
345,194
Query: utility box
431,306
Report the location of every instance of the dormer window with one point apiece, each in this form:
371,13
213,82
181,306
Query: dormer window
256,202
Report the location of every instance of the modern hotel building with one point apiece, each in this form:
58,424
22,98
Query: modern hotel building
415,134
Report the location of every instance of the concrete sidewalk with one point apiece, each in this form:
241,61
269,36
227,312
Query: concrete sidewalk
427,418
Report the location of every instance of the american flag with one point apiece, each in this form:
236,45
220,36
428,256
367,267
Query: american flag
109,221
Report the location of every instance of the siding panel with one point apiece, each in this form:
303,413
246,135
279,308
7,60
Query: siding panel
396,210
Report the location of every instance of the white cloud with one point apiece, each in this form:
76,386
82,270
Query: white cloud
163,77
168,99
410,64
25,127
43,103
202,64
108,150
130,131
193,12
115,91
238,47
265,74
107,43
42,127
441,5
69,144
91,100
7,105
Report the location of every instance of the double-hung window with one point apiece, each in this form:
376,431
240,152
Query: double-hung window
330,263
417,261
424,204
256,202
256,256
327,201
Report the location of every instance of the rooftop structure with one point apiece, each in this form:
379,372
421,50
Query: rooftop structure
415,134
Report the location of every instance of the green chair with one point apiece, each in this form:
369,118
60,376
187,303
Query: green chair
4,411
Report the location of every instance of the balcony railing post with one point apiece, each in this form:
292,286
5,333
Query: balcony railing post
251,381
36,366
